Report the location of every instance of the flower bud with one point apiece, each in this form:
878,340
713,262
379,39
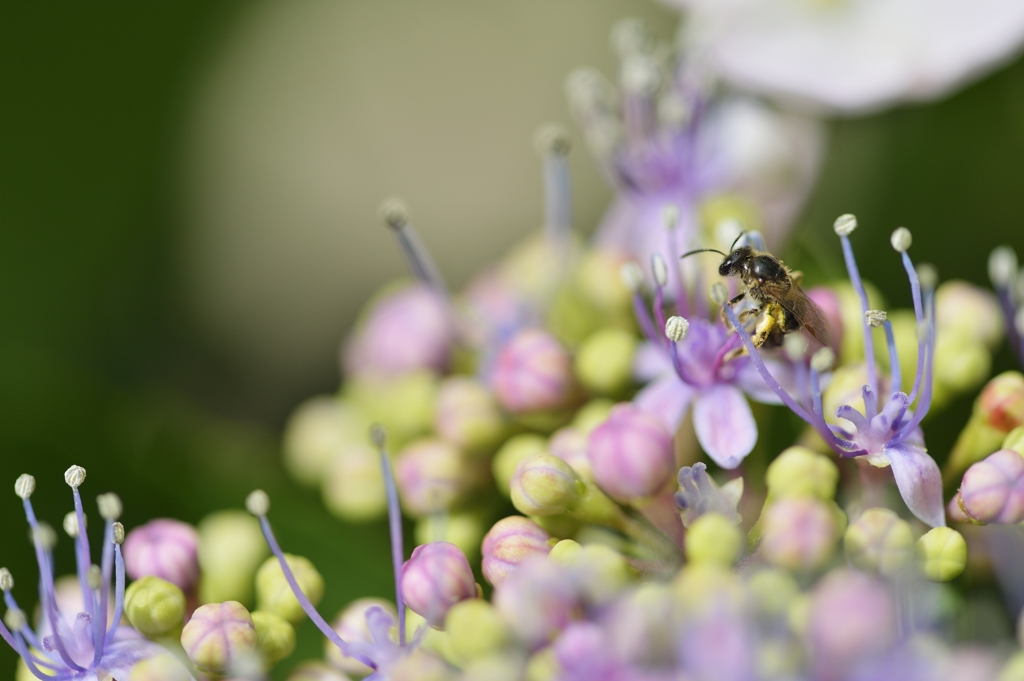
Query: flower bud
421,665
699,494
604,361
163,548
351,625
509,543
465,529
433,476
713,538
631,454
401,330
829,305
772,591
961,364
537,601
993,489
403,405
436,577
565,552
512,453
161,667
273,594
217,635
963,308
533,372
801,472
941,554
799,533
879,540
154,606
1015,440
851,619
353,483
592,414
275,638
998,410
545,485
317,671
468,415
570,445
315,431
475,629
231,548
600,572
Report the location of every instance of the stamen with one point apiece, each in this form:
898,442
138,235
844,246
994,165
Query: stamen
823,360
795,346
554,144
71,524
74,476
6,580
396,216
929,373
660,270
633,279
1002,267
640,78
24,486
630,36
901,239
15,619
378,436
95,577
660,273
632,276
843,226
110,506
915,290
875,318
118,533
670,218
118,587
676,328
719,293
895,377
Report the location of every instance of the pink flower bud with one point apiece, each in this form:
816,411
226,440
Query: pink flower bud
533,372
631,454
401,331
217,635
829,304
570,445
511,541
993,489
163,548
851,619
1001,403
468,415
538,600
436,577
432,476
799,533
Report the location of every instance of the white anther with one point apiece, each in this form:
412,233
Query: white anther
676,328
95,577
823,360
552,139
118,532
719,293
795,346
44,536
659,269
632,276
670,216
875,318
1002,266
901,239
588,90
6,580
15,619
394,213
629,36
71,524
640,74
378,435
258,503
110,506
845,224
74,476
928,276
24,486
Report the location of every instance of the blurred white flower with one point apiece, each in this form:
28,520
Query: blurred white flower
854,56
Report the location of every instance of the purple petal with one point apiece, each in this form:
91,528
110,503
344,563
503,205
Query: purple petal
651,362
749,380
919,481
725,427
667,399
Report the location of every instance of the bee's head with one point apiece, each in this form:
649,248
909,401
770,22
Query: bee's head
733,263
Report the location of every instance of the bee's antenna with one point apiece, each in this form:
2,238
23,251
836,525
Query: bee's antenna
703,250
737,240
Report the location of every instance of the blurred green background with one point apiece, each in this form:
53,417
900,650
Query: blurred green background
156,333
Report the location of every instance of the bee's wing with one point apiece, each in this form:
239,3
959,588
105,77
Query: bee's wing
803,309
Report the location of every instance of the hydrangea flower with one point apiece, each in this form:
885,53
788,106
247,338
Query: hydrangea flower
886,434
90,645
689,367
854,56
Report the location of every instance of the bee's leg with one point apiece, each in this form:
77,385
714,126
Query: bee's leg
765,324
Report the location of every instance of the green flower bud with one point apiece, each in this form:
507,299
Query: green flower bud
592,414
941,554
403,404
713,538
963,308
565,552
604,361
468,415
465,530
353,484
1013,670
772,590
162,667
231,548
997,411
1015,440
475,629
961,362
602,572
316,671
543,484
512,453
316,430
218,635
155,607
879,540
275,638
542,666
273,593
801,472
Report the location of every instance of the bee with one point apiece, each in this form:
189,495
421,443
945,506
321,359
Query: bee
779,304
